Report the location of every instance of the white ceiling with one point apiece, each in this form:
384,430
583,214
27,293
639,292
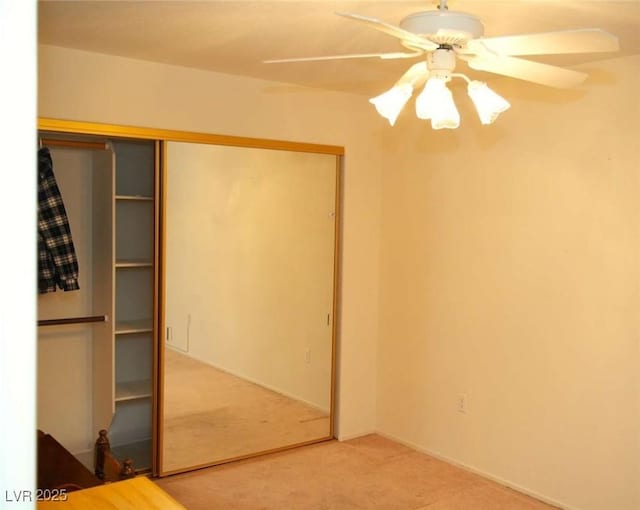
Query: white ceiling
234,37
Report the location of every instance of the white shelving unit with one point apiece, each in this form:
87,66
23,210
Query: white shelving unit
133,202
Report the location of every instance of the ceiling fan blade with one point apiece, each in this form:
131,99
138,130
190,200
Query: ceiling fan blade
536,72
587,40
393,30
383,56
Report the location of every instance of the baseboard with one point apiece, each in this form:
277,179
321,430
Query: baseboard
480,472
254,381
349,437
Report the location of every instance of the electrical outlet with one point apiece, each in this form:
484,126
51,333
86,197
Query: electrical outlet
462,403
307,356
169,334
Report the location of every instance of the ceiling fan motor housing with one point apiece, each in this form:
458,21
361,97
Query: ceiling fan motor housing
441,62
444,27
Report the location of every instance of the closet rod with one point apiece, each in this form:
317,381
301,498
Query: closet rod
77,144
73,320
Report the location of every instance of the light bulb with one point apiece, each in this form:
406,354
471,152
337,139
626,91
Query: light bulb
435,102
390,103
488,104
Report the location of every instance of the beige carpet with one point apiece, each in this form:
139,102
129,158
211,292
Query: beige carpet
211,415
368,473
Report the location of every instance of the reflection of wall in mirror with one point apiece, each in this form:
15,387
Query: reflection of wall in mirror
250,255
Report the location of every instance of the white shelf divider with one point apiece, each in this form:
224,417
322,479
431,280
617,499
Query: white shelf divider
134,197
132,390
124,263
137,326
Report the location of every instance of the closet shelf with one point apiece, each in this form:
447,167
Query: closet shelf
139,451
132,390
127,263
142,198
135,326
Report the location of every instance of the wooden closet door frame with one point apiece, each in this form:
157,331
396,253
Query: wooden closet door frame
161,136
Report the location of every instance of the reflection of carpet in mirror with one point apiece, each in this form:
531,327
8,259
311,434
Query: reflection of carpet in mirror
211,415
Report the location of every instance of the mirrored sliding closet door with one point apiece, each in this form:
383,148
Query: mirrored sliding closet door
248,312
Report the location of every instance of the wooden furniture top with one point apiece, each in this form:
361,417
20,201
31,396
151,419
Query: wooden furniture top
132,494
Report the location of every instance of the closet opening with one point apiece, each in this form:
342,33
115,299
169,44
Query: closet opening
95,367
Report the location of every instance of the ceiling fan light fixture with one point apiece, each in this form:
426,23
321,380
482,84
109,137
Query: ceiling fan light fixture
488,104
435,102
443,37
390,103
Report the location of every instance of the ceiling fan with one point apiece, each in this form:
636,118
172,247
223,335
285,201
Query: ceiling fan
442,36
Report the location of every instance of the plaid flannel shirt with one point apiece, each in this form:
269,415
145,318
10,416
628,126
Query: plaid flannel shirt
57,263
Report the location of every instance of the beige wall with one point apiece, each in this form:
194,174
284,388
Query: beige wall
84,86
509,260
510,274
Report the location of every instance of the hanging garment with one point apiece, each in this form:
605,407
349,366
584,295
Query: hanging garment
57,262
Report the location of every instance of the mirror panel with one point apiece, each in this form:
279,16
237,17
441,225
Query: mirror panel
249,300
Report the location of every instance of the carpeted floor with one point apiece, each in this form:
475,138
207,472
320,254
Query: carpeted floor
368,473
211,415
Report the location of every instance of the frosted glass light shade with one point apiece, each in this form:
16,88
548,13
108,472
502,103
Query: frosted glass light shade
488,104
435,102
391,103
